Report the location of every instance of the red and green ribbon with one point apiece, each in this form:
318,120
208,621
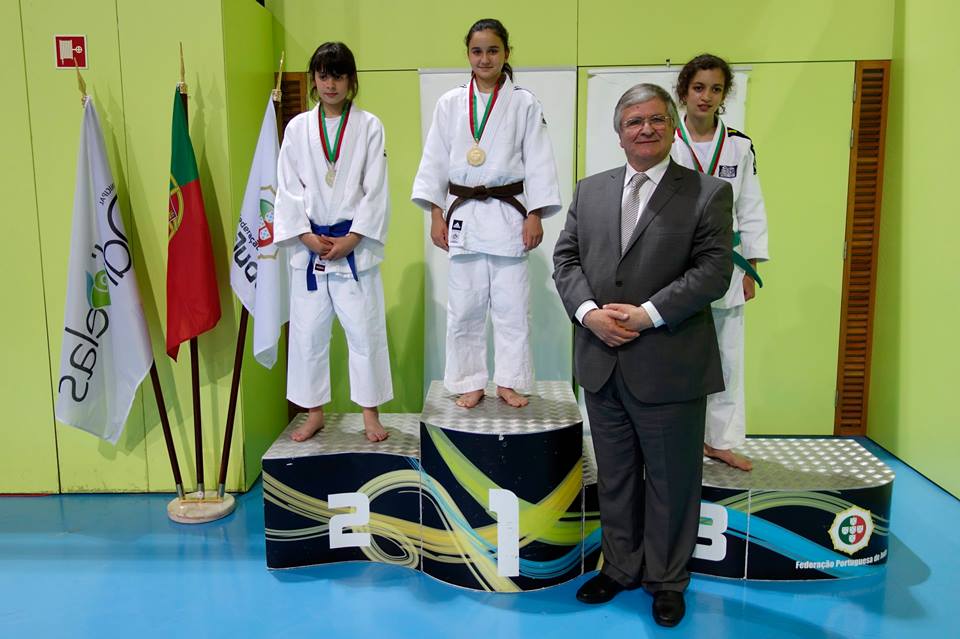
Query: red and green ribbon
476,130
333,154
712,169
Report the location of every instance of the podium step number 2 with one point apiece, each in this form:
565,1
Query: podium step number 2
502,503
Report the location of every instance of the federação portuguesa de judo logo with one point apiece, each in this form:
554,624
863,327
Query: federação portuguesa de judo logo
265,232
851,530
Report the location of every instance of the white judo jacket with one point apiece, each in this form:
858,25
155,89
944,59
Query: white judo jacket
359,191
517,148
737,165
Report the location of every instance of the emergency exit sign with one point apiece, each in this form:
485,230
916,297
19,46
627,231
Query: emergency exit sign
71,51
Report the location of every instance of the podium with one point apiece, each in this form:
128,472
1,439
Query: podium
501,499
810,509
502,487
338,497
488,498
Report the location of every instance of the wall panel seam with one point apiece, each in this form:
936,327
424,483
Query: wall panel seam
36,210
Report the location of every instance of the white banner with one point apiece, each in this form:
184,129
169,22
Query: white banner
106,350
259,274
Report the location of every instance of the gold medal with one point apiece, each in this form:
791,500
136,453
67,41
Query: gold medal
476,156
331,176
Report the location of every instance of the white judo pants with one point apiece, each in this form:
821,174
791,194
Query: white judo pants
478,283
726,425
359,307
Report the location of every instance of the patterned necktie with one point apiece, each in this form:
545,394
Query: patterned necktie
630,210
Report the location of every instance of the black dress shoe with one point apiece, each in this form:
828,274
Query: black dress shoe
599,589
668,607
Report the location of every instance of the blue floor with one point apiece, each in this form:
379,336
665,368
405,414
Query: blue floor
115,566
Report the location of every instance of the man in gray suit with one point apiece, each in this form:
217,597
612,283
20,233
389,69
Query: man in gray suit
645,250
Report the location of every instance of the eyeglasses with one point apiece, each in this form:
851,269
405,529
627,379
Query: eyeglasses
658,122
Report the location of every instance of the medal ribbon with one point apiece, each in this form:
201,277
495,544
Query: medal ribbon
476,130
333,154
716,150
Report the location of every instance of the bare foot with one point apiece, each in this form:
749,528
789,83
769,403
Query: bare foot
512,397
728,457
371,424
470,399
310,427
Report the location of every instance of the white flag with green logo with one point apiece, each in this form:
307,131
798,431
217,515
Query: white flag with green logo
259,273
105,352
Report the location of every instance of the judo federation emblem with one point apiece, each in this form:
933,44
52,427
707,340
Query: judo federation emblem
265,232
728,171
175,208
851,530
98,290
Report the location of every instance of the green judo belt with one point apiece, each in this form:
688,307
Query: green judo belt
742,262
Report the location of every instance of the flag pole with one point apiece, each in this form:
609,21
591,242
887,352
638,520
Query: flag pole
276,96
194,348
232,406
167,434
80,83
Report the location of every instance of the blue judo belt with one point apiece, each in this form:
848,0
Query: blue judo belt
336,230
742,262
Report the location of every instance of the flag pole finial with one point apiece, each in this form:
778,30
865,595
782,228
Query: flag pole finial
277,94
80,83
182,85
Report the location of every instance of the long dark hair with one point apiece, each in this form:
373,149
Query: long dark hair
497,27
334,58
703,62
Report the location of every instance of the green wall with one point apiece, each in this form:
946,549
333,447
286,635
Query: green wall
415,34
28,456
793,325
913,412
627,32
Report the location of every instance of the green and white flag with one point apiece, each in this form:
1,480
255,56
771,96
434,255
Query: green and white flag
106,350
259,274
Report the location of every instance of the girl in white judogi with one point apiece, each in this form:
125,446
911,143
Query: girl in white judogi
487,177
332,207
704,143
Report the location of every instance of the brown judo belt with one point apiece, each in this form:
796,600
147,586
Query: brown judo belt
507,193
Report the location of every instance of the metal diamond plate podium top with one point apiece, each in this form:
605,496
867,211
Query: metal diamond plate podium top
787,464
801,464
552,406
343,433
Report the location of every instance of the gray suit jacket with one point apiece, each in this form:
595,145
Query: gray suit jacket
679,258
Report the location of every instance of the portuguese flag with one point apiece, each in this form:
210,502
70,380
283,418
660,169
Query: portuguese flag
193,301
